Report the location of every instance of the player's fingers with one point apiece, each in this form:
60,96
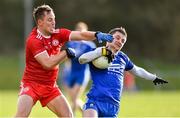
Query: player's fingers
165,82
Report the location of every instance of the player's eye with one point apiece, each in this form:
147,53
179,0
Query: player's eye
117,37
50,19
123,40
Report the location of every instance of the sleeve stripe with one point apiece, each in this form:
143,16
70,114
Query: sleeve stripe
69,37
40,53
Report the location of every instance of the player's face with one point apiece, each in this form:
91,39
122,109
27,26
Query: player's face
47,24
118,42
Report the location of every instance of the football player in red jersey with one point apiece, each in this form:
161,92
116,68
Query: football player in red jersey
43,56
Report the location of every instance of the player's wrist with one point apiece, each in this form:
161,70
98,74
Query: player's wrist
154,77
99,51
96,33
104,51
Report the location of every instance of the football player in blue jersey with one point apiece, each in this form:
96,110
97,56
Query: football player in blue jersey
104,96
77,75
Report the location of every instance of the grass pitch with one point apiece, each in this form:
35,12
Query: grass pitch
138,104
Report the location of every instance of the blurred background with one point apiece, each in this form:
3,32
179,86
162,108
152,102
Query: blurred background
153,28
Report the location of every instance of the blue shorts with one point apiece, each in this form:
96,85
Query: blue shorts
104,109
80,77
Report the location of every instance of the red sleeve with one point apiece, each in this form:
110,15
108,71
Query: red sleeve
35,46
63,35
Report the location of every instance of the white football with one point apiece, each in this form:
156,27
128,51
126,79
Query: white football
101,62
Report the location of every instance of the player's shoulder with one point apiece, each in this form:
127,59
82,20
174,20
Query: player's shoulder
59,30
34,37
89,43
122,55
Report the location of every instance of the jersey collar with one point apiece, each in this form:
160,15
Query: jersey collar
43,34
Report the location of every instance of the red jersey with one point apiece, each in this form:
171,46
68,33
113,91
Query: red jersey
36,43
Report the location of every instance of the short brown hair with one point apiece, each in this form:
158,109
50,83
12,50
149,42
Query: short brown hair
38,12
81,26
121,30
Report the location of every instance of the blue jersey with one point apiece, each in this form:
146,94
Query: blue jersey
108,83
80,48
78,73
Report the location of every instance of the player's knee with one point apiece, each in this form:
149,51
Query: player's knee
68,114
22,113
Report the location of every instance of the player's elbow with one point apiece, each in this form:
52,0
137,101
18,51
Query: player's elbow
47,66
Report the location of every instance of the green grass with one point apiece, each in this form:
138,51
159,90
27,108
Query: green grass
9,72
153,104
150,103
138,104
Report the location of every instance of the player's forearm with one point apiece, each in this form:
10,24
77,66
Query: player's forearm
54,60
138,71
88,35
84,35
90,56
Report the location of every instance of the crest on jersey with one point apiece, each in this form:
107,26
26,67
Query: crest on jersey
55,42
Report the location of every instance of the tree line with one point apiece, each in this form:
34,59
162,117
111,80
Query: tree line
153,26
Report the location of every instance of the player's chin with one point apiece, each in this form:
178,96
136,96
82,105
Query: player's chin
117,48
51,31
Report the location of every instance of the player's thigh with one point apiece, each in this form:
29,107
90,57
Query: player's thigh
25,104
90,113
75,90
60,106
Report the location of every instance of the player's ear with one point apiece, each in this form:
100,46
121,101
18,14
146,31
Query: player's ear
39,22
107,44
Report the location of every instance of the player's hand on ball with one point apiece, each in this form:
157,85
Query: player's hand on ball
70,53
159,81
104,59
108,53
103,37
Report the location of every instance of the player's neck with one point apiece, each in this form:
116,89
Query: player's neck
111,48
43,33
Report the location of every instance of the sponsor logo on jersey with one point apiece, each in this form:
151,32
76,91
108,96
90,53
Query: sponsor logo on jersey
116,68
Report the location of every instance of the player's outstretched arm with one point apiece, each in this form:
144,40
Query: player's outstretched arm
138,71
91,55
90,35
